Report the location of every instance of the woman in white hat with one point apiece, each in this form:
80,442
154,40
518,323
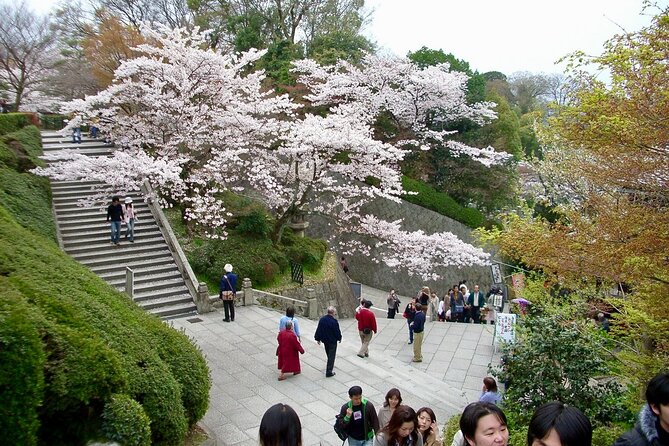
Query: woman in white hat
129,212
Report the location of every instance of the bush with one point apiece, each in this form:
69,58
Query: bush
22,362
606,435
255,224
450,428
11,122
53,122
440,202
97,344
27,197
306,251
125,421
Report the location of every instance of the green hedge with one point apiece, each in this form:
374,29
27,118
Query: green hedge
11,122
126,422
97,344
25,196
440,202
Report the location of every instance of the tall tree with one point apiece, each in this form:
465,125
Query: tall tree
27,50
195,122
606,164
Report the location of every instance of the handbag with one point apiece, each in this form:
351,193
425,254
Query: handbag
228,295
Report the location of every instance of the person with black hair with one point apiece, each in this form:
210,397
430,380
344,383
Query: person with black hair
358,418
366,326
280,426
556,424
427,427
652,428
402,429
290,316
489,393
484,424
115,216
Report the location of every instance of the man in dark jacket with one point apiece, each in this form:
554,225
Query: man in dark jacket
652,429
329,334
418,326
358,418
115,215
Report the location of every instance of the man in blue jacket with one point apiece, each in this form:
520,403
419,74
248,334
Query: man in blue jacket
418,325
228,292
329,334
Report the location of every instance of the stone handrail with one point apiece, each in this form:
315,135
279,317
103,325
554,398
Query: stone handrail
308,308
198,290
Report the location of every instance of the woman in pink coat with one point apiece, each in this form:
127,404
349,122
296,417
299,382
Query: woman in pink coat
288,352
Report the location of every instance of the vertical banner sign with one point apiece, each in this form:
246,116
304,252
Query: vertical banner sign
496,273
505,327
518,280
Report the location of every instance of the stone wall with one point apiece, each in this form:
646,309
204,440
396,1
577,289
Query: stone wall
378,275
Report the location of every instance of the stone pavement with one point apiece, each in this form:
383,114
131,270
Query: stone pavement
241,356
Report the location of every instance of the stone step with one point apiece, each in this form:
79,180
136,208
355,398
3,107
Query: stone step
140,247
72,232
143,279
95,218
170,310
158,294
103,236
114,268
144,272
62,184
122,256
76,248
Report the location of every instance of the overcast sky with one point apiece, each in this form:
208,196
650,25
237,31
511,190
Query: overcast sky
495,35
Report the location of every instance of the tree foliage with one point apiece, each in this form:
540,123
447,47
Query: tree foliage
196,122
606,164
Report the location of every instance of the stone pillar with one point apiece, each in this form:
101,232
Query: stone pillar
247,298
202,298
130,282
312,312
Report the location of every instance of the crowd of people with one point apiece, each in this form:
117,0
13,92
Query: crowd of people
482,423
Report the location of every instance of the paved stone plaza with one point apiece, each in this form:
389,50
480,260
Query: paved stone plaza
243,364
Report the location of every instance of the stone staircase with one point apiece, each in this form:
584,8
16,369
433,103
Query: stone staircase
85,235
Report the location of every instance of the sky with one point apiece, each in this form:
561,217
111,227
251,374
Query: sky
495,35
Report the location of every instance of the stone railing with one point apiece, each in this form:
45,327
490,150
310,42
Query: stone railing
198,290
305,308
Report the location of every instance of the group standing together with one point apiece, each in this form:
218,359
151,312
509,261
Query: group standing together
117,214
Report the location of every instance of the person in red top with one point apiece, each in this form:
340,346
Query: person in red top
288,352
366,326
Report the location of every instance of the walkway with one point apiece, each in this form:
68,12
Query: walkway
242,359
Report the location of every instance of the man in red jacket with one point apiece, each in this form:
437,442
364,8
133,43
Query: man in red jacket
366,326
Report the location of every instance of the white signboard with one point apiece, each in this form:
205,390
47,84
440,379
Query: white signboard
496,273
505,327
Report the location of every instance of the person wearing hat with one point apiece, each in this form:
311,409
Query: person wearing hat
228,287
115,217
366,326
129,212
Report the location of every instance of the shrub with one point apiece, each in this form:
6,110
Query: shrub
440,202
97,343
255,223
125,421
20,150
53,122
22,361
606,435
11,122
306,251
450,428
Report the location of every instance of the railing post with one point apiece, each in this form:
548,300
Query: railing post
129,282
248,298
312,312
202,298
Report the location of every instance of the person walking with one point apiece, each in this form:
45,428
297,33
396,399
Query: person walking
358,419
115,216
228,292
290,316
418,329
130,219
366,326
409,314
476,301
329,334
393,303
288,352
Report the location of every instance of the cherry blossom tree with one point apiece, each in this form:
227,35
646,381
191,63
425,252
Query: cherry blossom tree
194,122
